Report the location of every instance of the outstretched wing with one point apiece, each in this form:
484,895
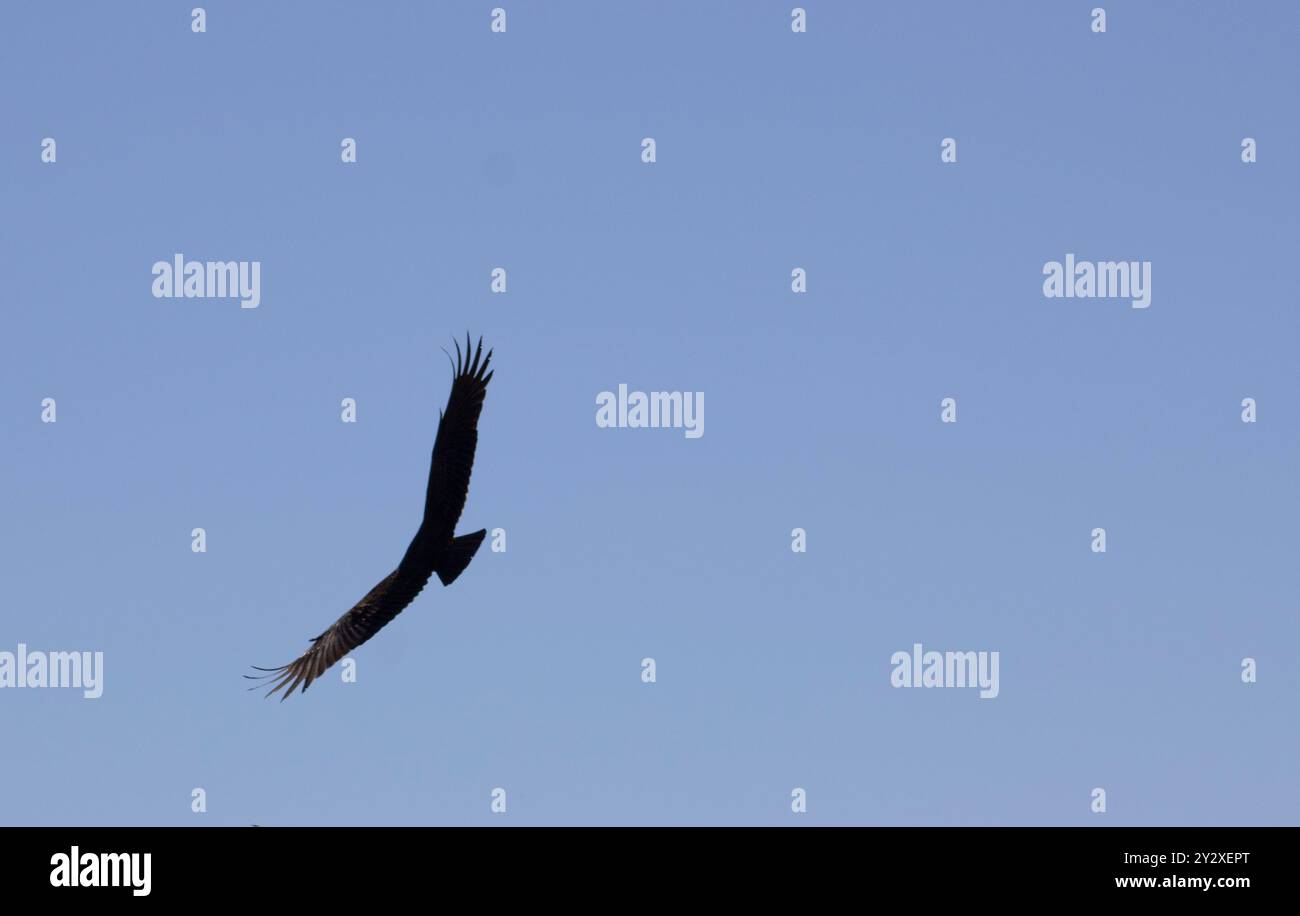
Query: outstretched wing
453,448
371,614
432,549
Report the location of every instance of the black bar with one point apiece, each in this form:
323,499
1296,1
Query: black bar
324,866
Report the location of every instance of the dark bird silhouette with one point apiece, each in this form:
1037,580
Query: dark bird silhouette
434,549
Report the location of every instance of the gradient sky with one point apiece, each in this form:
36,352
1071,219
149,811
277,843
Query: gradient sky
775,150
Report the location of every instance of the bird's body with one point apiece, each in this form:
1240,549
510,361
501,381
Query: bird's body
434,550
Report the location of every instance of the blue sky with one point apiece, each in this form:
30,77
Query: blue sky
775,150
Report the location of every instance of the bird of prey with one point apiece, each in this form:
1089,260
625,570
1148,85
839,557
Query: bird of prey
434,549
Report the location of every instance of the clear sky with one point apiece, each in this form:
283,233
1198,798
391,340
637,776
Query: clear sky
775,150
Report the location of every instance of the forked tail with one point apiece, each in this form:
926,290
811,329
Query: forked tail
451,562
